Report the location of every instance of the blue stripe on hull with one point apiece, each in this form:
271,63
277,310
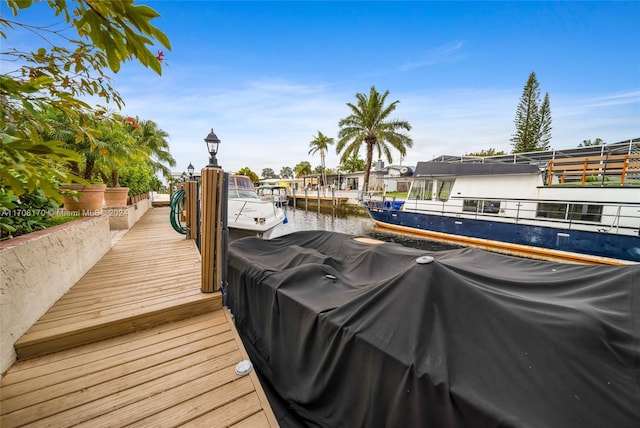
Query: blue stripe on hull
592,243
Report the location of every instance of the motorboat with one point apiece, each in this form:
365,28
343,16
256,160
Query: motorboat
247,213
581,207
274,193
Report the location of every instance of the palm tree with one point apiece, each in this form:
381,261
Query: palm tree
122,149
302,168
353,164
80,135
369,123
155,141
320,144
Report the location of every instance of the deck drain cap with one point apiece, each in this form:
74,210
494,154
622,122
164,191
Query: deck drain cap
243,367
424,260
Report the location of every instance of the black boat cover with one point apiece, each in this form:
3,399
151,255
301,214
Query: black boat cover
354,334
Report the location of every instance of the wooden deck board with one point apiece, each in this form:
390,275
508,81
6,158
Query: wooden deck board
151,276
138,347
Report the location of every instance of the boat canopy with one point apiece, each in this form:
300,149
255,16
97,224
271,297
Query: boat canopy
439,169
349,333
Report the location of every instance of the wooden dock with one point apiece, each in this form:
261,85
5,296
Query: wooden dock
135,343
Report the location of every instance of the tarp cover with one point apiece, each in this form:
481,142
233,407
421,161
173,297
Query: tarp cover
352,334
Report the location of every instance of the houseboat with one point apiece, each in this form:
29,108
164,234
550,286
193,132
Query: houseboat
582,208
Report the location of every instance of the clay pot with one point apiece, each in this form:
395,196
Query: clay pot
116,197
90,199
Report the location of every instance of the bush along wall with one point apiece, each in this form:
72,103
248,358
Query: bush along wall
27,213
138,178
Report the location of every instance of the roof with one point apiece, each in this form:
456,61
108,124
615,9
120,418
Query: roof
434,169
542,157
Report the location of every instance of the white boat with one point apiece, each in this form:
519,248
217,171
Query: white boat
273,193
581,207
247,213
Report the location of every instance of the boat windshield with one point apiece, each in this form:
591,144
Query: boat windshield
241,187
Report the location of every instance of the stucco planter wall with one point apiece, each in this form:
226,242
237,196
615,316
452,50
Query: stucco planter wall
39,268
126,217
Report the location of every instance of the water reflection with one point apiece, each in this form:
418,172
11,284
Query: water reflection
299,219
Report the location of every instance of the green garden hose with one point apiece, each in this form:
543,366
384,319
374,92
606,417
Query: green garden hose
177,207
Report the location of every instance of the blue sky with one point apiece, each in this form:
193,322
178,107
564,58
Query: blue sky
267,76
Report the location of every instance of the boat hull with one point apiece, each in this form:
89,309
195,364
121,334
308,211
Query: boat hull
540,242
253,217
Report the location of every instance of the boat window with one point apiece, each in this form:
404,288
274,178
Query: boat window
551,210
491,207
470,205
421,190
476,206
583,212
444,189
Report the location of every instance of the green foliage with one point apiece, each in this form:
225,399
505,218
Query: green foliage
26,213
138,178
252,175
268,173
59,77
353,164
155,183
28,162
533,119
588,143
488,152
302,168
320,144
286,172
369,123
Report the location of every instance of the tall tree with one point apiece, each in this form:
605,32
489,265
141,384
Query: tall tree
533,119
286,172
268,173
320,144
369,124
302,168
155,142
249,173
544,131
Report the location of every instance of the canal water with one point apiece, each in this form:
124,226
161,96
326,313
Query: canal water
300,219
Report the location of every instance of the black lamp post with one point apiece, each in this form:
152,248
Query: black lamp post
212,141
183,176
190,170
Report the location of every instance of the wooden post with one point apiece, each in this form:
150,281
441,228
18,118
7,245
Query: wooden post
623,174
191,204
210,235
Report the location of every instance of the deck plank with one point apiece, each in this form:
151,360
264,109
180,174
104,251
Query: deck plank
151,276
142,347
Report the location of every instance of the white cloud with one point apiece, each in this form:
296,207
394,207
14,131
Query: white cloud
269,122
443,54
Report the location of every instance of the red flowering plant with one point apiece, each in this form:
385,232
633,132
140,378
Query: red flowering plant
160,58
132,122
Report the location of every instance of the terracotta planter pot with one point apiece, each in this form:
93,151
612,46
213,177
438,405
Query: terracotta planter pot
90,199
116,196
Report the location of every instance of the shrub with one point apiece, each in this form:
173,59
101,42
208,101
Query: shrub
138,178
25,214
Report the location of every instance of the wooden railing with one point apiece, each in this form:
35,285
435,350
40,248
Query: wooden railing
599,167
